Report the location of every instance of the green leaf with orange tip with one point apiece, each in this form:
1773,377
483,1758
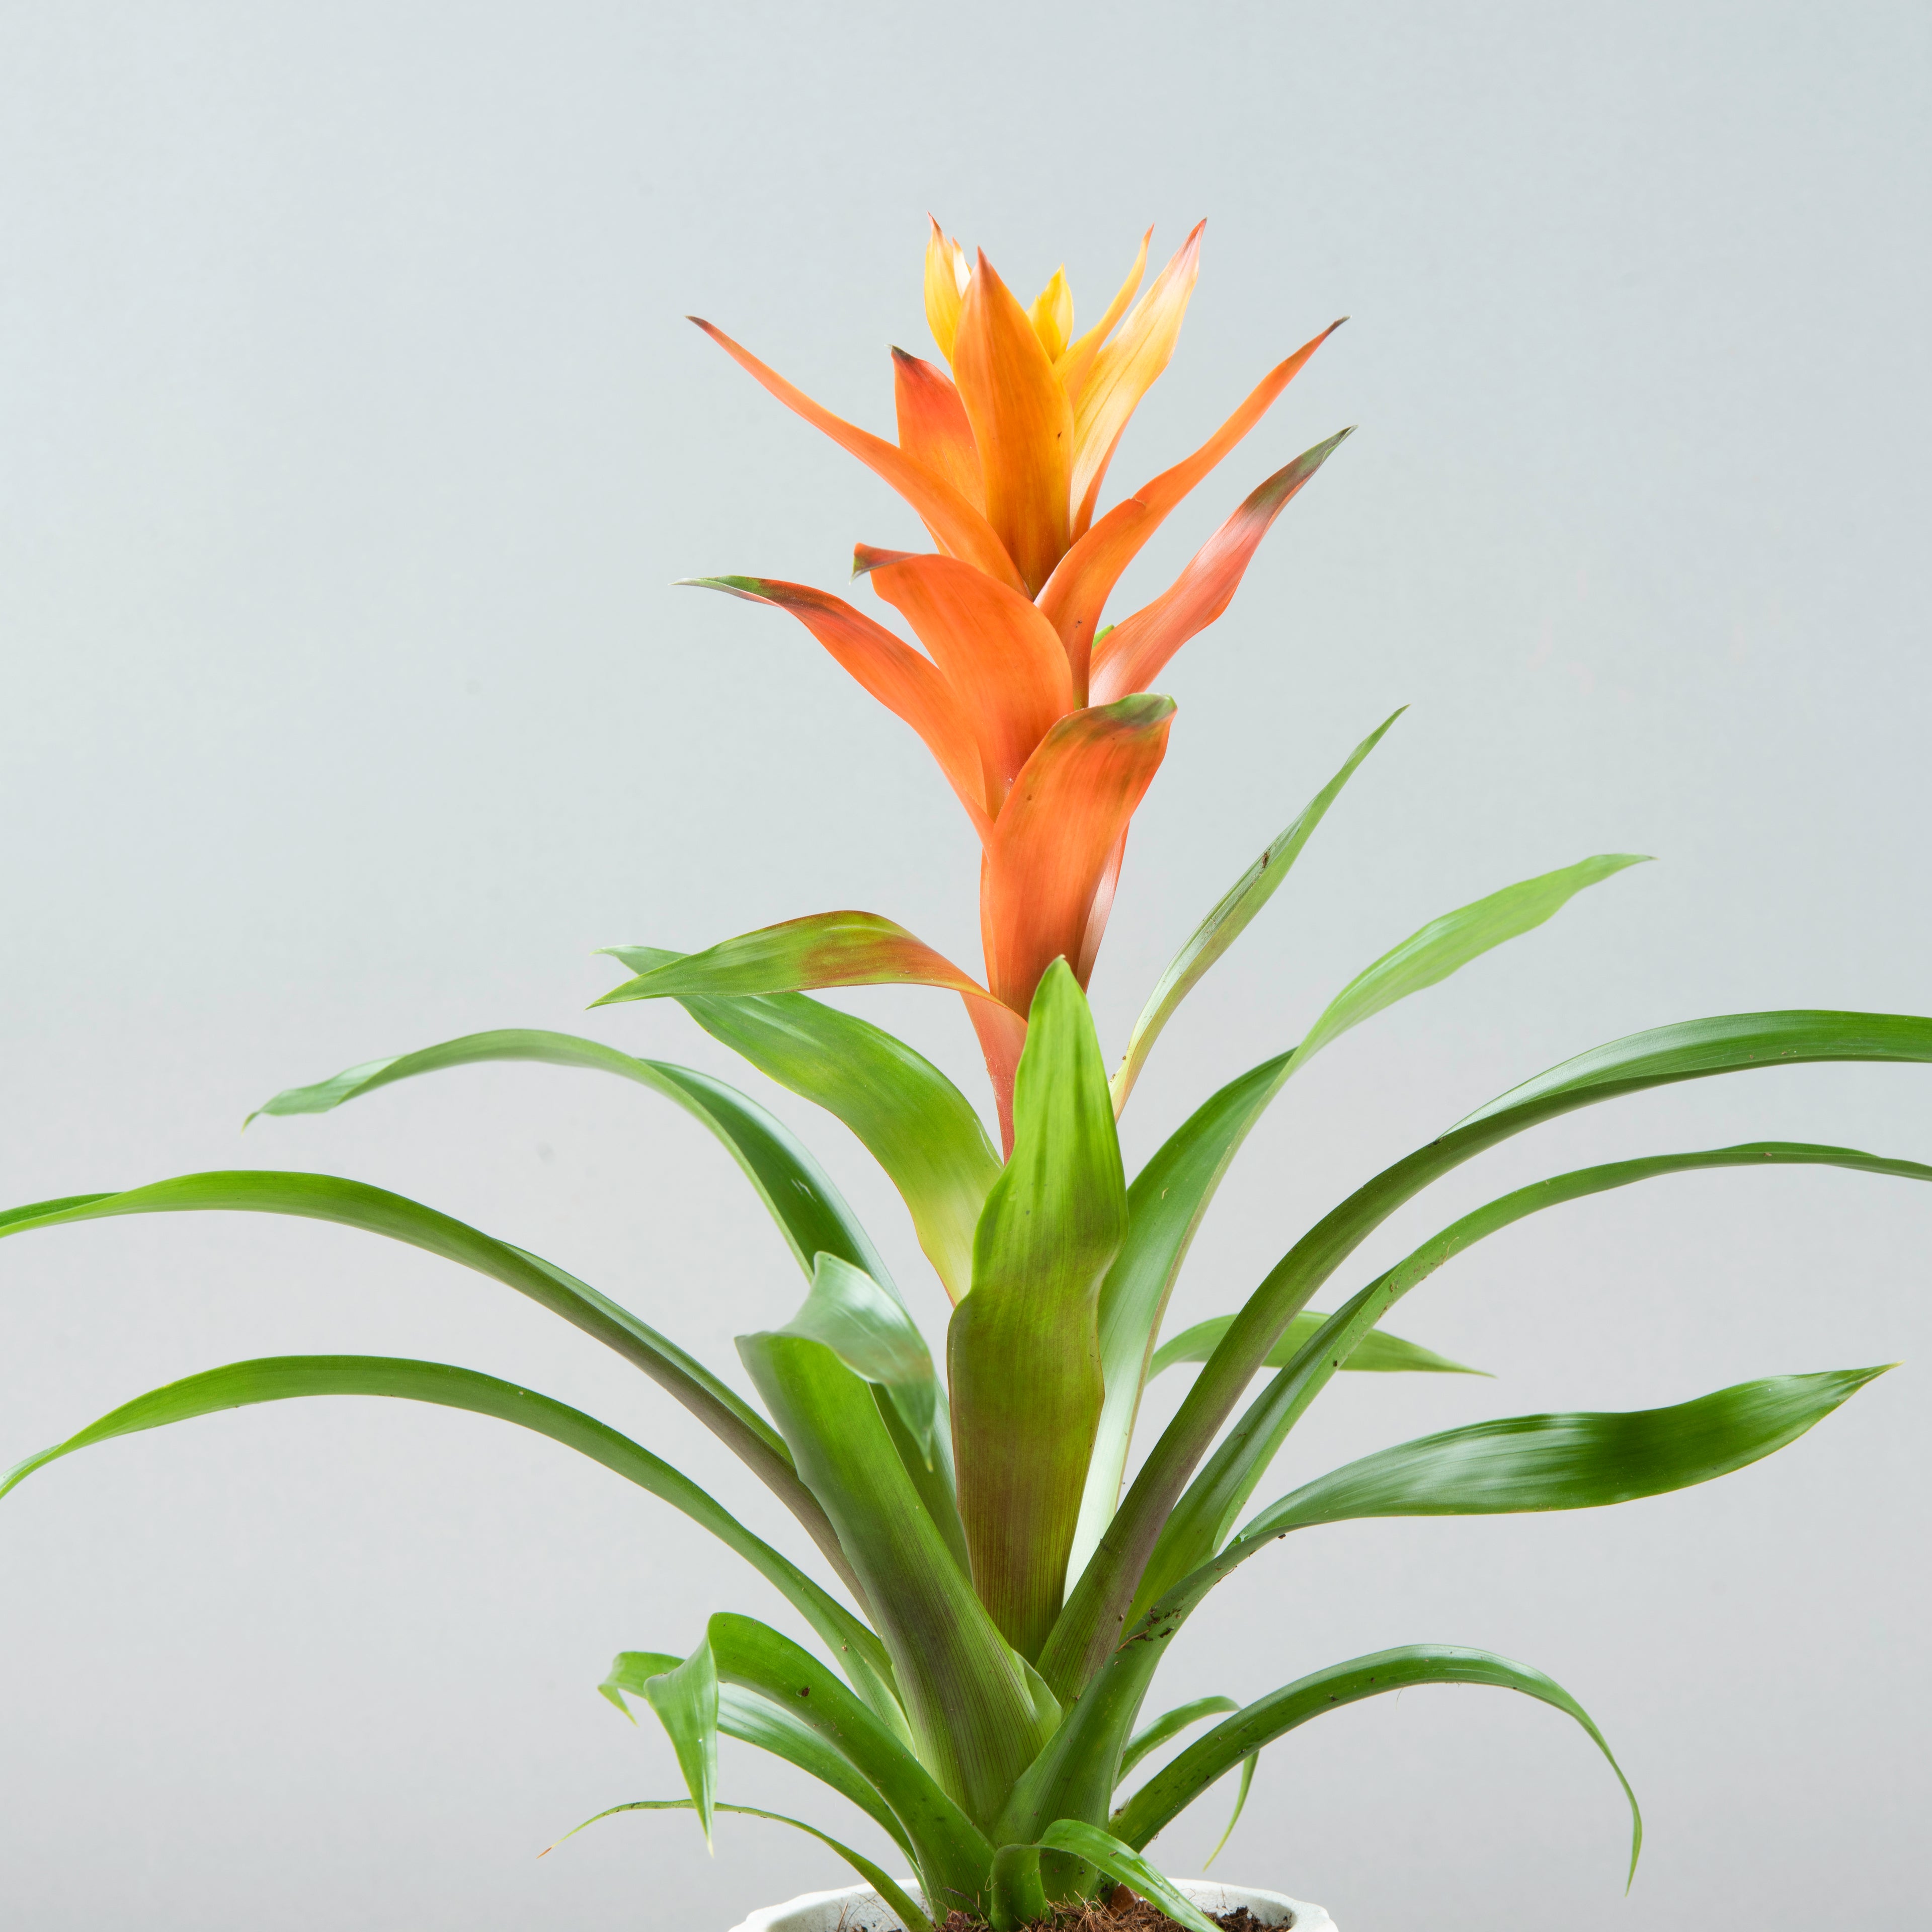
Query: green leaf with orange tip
1135,650
1001,659
1084,578
1375,1353
954,524
1058,833
757,1721
909,1117
1697,1049
1176,1785
1124,371
322,1197
1231,917
825,949
971,1711
888,669
797,1192
1171,1194
895,1898
284,1377
1022,425
685,1700
1023,1351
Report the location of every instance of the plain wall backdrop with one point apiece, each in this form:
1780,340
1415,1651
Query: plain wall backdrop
353,440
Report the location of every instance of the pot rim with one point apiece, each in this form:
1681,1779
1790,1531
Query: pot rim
1218,1894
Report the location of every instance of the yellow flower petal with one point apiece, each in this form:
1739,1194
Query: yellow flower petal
1124,371
946,276
1052,315
1076,364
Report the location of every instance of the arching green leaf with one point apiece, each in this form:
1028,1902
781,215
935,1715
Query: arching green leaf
1171,1724
685,1700
1230,917
1375,1352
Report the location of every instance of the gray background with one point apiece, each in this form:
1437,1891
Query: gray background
353,439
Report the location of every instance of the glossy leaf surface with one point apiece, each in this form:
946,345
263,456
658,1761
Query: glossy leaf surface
1023,1350
685,1700
1375,1352
910,1117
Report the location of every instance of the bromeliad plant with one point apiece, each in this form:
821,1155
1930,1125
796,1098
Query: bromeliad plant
1011,1594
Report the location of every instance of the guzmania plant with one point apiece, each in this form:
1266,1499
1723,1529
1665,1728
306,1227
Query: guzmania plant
1010,1594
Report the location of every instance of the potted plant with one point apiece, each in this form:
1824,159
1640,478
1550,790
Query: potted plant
1006,1595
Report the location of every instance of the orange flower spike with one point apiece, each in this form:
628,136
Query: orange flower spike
946,276
955,525
1058,837
1124,371
933,428
1021,421
1087,573
1133,652
1000,658
895,673
1052,315
1077,364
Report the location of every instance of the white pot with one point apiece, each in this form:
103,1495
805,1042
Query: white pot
859,1909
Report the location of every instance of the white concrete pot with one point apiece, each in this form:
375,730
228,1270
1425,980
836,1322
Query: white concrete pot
859,1909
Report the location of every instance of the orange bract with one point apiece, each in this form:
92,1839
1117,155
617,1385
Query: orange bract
1004,460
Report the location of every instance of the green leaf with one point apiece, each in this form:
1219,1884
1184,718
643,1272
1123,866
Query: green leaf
1170,1724
281,1378
875,1338
322,1197
1698,1049
911,1118
1241,1804
952,1854
1207,1511
1445,945
1023,1348
910,1916
1378,1353
1019,1898
1563,1462
686,1701
1124,1865
1230,918
756,1720
1176,1785
827,949
1170,1195
797,1192
972,1718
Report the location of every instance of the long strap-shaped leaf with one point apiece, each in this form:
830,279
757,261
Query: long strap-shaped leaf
1176,1785
1582,1461
756,1720
282,1377
1377,1353
952,1854
909,1117
1206,1513
1022,1351
322,1197
1168,1724
895,1895
1533,1462
1693,1050
1230,918
797,1192
1171,1193
965,1697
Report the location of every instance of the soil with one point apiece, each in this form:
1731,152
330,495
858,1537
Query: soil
1121,1911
